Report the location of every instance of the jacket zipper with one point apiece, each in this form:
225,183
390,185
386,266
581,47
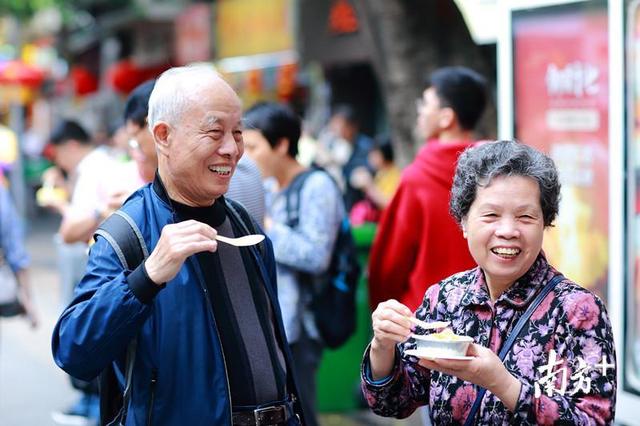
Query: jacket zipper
152,394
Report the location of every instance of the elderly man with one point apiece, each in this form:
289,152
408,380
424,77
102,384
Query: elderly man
211,347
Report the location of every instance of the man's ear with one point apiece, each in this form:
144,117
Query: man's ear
161,132
282,146
447,118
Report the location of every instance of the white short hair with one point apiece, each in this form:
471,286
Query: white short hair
175,88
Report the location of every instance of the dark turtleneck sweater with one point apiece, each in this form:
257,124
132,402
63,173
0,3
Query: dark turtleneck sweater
243,314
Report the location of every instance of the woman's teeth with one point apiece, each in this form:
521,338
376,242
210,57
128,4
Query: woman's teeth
503,251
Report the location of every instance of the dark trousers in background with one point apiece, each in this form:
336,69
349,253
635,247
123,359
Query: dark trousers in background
307,354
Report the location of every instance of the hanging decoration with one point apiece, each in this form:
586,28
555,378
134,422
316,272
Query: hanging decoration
84,81
125,75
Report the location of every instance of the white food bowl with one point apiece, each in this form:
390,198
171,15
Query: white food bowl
438,347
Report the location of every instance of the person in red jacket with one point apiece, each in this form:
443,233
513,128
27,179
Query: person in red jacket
417,242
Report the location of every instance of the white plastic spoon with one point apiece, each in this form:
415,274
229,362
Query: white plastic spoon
428,325
247,240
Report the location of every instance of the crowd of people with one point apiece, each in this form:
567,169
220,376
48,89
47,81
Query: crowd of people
199,331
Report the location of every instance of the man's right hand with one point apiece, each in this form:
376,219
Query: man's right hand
177,242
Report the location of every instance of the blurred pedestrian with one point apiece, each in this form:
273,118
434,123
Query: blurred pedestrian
302,249
210,344
89,174
92,177
417,242
15,288
246,188
343,145
141,143
379,187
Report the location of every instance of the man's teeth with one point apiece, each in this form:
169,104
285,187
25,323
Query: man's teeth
503,251
221,170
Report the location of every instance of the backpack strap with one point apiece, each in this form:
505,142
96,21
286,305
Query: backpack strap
292,194
515,333
124,236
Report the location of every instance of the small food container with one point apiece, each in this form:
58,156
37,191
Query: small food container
442,345
49,195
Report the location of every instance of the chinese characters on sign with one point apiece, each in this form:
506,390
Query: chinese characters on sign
580,378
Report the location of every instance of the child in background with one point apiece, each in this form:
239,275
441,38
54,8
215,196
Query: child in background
379,188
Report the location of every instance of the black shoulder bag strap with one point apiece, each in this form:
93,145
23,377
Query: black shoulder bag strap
124,236
292,194
515,333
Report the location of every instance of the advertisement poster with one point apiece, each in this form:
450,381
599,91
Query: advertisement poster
250,27
561,94
632,337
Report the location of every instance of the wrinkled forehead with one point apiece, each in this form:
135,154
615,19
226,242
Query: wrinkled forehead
231,117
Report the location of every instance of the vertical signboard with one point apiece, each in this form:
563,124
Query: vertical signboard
193,34
249,27
631,369
561,95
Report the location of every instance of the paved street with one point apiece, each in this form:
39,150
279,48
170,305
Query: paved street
32,386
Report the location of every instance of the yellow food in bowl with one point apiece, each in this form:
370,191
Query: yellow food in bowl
443,344
49,195
447,335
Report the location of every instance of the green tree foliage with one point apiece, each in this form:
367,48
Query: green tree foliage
24,9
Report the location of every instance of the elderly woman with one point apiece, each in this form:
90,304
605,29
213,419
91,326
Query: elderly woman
561,367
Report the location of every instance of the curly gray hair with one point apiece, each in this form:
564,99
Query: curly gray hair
479,165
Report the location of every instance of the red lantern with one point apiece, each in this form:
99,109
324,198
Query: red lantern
286,81
84,81
125,76
254,82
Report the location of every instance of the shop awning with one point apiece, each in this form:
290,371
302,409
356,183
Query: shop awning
18,73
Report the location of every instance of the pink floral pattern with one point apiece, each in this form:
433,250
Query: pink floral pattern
582,311
462,402
548,411
572,321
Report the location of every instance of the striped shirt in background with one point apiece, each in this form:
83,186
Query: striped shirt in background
247,189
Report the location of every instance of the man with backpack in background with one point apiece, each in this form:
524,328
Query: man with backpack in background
305,212
417,242
192,333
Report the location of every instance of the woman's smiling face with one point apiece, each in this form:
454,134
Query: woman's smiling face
504,229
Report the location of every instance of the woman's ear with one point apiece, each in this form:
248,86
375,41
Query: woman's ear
463,224
161,132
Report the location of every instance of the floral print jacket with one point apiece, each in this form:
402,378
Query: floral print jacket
571,321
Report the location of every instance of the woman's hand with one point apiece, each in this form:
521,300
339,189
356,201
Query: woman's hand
390,326
484,370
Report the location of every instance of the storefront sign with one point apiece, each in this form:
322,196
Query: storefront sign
342,18
249,27
193,34
330,32
561,97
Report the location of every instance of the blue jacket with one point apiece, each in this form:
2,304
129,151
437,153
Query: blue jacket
179,375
